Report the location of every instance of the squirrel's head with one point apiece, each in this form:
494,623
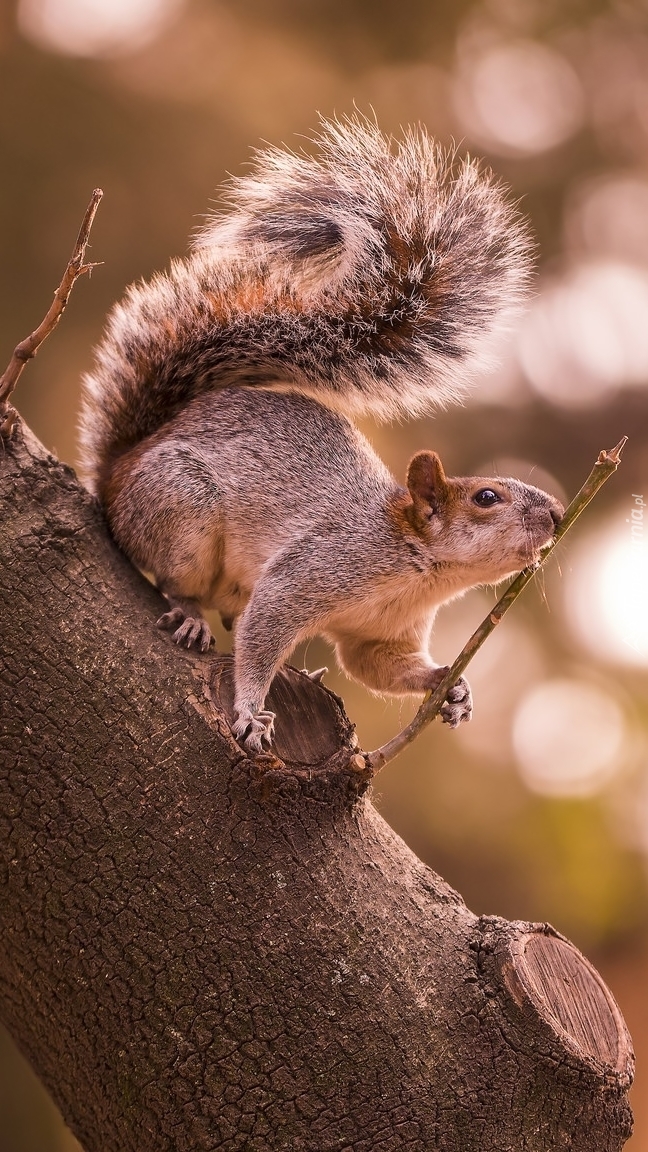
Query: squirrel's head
490,527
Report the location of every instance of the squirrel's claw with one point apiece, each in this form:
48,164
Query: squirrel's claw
192,631
170,619
315,676
254,730
458,705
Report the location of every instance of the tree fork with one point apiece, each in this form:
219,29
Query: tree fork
200,951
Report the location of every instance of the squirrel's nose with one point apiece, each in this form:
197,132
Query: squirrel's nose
556,512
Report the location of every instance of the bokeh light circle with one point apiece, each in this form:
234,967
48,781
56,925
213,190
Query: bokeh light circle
520,97
586,335
94,27
606,589
608,216
568,737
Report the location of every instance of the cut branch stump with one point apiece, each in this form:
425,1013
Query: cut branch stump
200,951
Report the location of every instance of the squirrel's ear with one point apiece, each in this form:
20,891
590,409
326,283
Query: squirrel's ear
427,483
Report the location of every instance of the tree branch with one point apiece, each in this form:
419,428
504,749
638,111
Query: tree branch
607,463
203,953
30,345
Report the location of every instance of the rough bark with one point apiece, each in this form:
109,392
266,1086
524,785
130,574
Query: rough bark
202,952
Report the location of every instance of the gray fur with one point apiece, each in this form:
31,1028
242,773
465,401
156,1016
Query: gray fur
216,422
277,512
375,278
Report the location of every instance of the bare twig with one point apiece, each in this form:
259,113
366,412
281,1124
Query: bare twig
606,464
29,347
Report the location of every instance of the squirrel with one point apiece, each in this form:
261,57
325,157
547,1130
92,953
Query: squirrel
217,424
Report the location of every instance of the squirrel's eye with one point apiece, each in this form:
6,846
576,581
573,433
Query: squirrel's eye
485,498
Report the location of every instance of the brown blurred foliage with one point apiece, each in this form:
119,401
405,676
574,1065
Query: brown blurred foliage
554,95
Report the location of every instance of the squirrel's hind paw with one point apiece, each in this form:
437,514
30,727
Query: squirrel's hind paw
254,730
192,631
458,705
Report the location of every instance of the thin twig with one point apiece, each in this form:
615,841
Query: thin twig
29,347
606,464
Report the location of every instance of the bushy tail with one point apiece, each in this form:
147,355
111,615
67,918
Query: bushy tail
375,277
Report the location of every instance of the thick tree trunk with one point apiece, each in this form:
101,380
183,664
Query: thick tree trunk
202,952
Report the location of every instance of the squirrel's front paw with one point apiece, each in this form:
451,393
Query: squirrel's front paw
254,730
458,705
192,631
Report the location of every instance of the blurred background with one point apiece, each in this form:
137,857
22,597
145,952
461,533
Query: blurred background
538,809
